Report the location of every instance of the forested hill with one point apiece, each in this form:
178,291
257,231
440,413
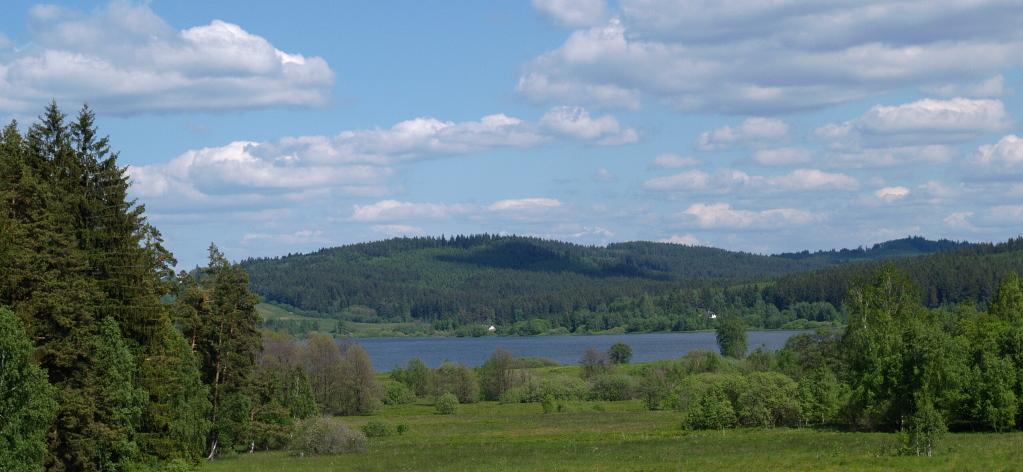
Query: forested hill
504,279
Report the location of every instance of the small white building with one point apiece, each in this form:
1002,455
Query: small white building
491,329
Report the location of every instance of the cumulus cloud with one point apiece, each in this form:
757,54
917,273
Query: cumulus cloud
725,180
722,215
124,59
603,175
892,156
673,161
752,132
681,239
783,156
576,122
926,121
397,210
572,12
891,194
1005,156
356,162
771,57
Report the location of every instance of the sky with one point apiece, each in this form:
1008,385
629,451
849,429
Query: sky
272,128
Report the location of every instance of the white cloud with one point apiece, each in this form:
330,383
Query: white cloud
993,87
304,236
124,59
892,156
926,121
752,131
673,161
769,57
576,122
959,220
524,205
891,194
783,156
681,239
725,180
398,230
722,215
355,162
397,210
572,12
1005,156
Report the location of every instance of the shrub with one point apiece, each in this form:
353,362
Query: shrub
377,429
765,399
324,436
397,393
612,387
700,361
415,374
497,374
926,428
620,353
594,363
456,379
560,387
711,409
402,428
447,404
547,404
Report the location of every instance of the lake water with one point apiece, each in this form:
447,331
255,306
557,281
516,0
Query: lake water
387,353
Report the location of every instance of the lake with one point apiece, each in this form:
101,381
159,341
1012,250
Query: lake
387,353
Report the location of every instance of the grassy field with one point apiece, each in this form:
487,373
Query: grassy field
612,436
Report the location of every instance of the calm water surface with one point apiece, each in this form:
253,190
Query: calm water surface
387,353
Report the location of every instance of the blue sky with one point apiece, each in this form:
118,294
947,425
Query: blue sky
272,128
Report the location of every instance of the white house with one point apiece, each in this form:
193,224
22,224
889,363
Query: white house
491,329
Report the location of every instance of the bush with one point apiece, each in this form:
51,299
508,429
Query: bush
447,404
402,428
926,428
324,436
415,375
377,429
456,379
594,363
711,409
612,387
397,393
547,404
560,387
620,353
700,361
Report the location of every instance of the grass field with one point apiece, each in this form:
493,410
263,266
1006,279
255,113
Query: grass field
612,436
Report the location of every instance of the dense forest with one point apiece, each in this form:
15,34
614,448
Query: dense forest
109,361
531,286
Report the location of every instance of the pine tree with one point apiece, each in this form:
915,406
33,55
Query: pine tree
119,401
27,404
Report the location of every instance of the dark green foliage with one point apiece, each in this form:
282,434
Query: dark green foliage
176,423
377,429
529,286
27,405
619,353
731,337
119,402
415,374
446,404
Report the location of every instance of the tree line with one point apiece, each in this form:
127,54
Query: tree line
108,359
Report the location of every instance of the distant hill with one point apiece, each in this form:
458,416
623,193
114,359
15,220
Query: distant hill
508,279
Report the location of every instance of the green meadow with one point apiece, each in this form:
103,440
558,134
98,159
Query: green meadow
623,435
